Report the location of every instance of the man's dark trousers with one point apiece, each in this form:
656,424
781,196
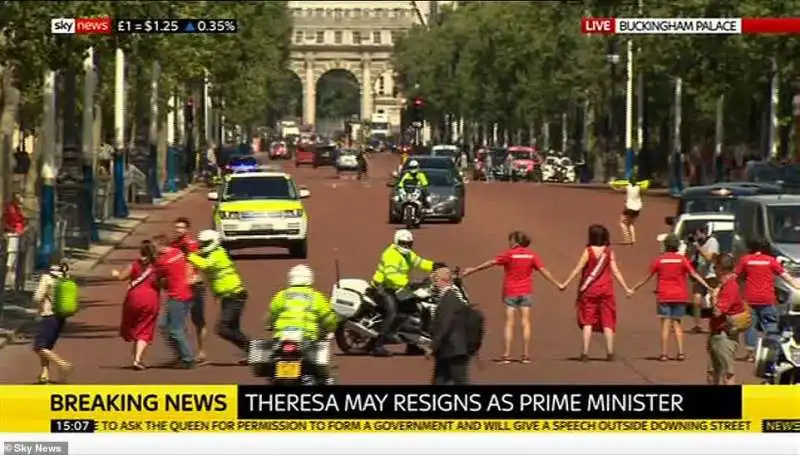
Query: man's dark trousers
451,371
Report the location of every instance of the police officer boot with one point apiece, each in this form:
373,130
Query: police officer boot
380,350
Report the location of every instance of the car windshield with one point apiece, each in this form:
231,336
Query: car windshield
250,188
521,155
771,174
444,151
708,204
440,179
433,164
784,223
349,152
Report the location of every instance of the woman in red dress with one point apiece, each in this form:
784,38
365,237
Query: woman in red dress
595,306
141,306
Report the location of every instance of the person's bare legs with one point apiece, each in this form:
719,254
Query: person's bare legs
525,321
64,367
608,335
664,337
586,338
677,329
508,333
623,226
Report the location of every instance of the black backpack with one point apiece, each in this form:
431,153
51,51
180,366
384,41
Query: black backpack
471,318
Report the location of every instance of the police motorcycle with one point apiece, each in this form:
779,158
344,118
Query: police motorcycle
777,360
412,205
291,361
353,300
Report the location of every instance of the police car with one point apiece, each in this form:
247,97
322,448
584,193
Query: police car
259,207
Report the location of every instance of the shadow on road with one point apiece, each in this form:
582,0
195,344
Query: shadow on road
260,256
89,331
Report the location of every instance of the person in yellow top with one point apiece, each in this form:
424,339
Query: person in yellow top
403,157
302,308
392,275
633,205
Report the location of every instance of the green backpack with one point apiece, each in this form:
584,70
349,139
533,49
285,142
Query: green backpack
65,302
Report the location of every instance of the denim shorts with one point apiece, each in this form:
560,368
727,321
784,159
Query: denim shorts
671,310
518,301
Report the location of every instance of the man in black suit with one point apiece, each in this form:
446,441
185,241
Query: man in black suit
451,359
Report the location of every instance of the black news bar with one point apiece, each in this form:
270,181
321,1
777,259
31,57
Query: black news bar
73,426
176,26
491,402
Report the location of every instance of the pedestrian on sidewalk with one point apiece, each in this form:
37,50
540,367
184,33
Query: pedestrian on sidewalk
519,262
186,242
596,306
672,270
50,324
227,286
13,227
173,268
141,305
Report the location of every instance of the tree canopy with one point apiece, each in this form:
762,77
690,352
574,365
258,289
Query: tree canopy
246,68
519,64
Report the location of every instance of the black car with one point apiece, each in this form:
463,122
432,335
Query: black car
786,176
446,193
325,155
720,197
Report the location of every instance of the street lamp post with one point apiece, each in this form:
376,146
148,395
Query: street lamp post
612,57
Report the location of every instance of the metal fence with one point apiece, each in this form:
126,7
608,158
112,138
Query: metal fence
19,262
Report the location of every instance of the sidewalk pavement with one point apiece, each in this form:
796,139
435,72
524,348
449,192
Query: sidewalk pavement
17,313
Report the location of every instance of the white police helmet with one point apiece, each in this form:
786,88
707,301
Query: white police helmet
413,166
300,275
404,239
209,240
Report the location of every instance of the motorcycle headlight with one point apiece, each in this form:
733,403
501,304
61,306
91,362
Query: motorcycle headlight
792,267
298,213
229,215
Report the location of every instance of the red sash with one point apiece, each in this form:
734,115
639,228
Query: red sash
145,275
602,262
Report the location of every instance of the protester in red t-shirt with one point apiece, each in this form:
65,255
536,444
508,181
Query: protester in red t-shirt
13,216
187,243
173,268
672,270
722,344
759,269
519,263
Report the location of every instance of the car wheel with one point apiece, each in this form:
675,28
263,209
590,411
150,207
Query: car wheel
299,249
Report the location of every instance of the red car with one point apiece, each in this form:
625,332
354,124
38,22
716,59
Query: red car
304,154
524,163
279,151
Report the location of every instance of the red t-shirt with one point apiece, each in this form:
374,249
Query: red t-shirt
173,267
519,264
186,243
729,303
759,271
672,270
14,219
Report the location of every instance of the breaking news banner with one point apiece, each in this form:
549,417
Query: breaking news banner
689,26
379,409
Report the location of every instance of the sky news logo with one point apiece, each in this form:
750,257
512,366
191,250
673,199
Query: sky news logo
81,26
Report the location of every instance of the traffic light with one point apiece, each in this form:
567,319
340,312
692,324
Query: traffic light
417,110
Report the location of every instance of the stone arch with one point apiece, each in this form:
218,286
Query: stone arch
328,66
338,95
293,93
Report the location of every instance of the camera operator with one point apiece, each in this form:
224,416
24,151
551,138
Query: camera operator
702,250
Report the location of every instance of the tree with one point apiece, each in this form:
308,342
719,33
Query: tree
522,63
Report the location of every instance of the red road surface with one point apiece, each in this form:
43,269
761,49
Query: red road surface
349,222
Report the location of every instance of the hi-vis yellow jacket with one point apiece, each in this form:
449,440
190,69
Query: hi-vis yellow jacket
395,266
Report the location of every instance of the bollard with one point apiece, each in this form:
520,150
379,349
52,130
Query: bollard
120,204
47,220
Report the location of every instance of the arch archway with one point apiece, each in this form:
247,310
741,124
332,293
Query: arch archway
338,100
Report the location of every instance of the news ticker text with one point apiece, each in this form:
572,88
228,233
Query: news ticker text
108,26
88,408
422,426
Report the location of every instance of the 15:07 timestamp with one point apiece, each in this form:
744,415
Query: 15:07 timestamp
73,426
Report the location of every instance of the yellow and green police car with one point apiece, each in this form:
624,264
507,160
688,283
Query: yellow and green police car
261,208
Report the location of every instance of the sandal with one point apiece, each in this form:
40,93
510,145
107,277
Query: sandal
584,358
663,358
43,380
680,357
139,366
503,359
696,329
610,357
525,360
